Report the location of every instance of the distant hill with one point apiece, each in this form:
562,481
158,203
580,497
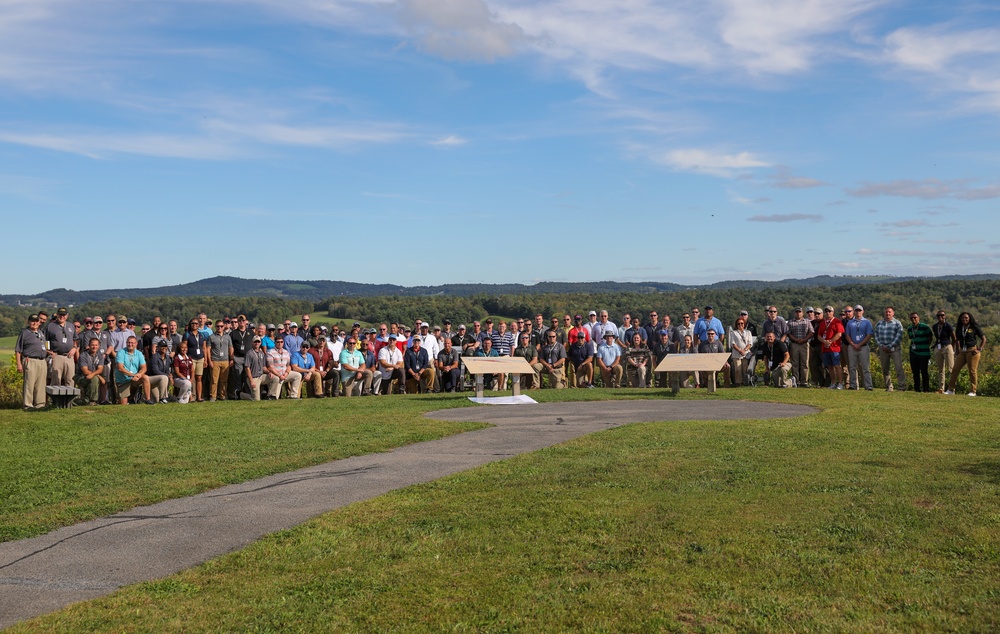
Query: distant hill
316,290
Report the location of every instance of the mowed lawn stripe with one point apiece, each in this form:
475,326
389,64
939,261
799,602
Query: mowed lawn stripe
879,513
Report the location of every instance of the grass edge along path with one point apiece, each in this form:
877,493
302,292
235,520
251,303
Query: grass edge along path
878,513
62,467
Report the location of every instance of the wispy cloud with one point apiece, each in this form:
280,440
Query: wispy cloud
786,218
785,36
710,162
959,61
104,145
465,30
26,187
449,141
904,223
927,189
783,178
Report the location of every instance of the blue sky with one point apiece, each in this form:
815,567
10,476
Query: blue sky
436,141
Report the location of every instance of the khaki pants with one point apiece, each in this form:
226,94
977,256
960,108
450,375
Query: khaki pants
314,385
220,380
779,375
274,385
557,378
61,371
533,381
423,385
739,370
637,375
799,358
859,362
970,358
612,376
159,387
251,393
33,393
944,359
353,386
577,377
896,356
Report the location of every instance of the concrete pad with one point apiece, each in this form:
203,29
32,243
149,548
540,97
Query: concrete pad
92,559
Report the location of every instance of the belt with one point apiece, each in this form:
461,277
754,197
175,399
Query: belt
37,358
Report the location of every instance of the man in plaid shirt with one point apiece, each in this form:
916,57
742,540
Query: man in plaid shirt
888,336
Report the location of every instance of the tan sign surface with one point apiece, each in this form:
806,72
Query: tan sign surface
494,365
709,362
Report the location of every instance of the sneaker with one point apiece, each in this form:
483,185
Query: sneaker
840,386
949,392
211,400
888,389
971,394
164,401
833,386
149,401
940,391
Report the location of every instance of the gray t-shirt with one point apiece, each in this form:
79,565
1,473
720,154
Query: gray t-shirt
255,362
220,346
30,344
90,362
61,339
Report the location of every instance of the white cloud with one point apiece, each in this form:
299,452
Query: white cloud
783,178
450,141
784,36
927,189
212,140
935,49
786,218
710,162
966,62
460,29
104,145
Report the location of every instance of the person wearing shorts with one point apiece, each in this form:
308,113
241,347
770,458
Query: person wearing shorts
829,333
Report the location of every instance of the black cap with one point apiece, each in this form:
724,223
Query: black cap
62,311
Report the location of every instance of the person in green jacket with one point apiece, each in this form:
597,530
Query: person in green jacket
920,336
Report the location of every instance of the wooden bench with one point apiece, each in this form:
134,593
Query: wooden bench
62,397
710,362
514,366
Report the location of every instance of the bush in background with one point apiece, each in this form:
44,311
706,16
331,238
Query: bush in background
11,383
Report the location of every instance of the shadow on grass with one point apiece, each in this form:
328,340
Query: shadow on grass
988,469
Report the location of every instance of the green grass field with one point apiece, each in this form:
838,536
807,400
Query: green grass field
880,513
7,349
64,466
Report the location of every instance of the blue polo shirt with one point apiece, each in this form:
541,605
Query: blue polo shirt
702,326
858,329
608,354
304,361
131,363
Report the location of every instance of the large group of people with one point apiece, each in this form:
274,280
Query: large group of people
116,360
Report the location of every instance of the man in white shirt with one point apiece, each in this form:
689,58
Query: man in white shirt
390,364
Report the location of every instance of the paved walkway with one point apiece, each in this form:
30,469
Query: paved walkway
92,559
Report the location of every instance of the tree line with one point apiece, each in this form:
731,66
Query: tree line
980,297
